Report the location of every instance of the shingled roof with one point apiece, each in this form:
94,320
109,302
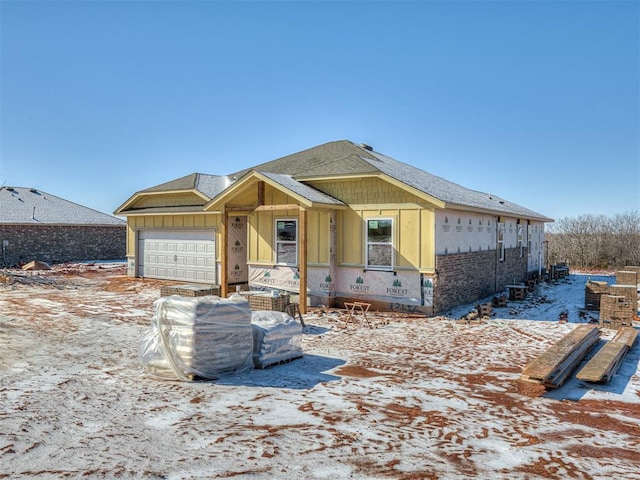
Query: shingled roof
301,189
208,185
343,159
21,206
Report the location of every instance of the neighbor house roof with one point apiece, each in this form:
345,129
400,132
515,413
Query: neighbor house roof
22,206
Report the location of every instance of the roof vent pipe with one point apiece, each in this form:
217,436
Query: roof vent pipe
367,147
33,215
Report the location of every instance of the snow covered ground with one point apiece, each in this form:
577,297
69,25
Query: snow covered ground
413,398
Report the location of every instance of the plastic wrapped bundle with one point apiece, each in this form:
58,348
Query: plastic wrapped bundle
203,337
276,338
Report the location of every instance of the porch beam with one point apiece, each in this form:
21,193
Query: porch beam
224,233
270,208
303,261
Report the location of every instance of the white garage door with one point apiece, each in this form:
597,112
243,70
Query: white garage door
187,255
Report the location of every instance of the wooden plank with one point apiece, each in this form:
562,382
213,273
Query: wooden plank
626,335
602,366
547,363
571,362
271,208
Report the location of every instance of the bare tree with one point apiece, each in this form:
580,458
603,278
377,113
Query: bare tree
596,241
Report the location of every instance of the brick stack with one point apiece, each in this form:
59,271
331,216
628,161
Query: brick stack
629,292
626,277
632,268
190,290
592,293
267,301
616,311
499,301
484,309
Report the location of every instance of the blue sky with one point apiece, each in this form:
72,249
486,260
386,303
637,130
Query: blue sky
535,101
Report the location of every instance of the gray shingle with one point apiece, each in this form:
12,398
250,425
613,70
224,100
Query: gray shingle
447,191
301,189
344,158
208,185
21,206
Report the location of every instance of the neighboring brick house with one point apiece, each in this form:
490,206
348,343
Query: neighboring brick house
35,225
341,220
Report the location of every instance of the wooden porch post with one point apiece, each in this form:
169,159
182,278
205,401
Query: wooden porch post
303,261
224,231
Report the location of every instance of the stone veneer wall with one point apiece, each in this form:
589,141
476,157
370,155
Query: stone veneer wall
468,277
56,243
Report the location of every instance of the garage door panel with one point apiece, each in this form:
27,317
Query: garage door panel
178,255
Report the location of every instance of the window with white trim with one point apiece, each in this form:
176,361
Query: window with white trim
287,241
501,241
379,250
529,239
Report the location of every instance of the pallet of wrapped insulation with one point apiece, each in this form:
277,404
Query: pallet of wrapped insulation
198,338
277,338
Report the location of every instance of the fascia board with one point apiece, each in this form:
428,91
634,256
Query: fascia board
465,208
248,179
138,195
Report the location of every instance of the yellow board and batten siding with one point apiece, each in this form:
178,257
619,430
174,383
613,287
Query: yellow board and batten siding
414,220
262,234
318,238
164,199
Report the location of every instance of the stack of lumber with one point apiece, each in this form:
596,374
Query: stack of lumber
554,365
606,362
36,265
